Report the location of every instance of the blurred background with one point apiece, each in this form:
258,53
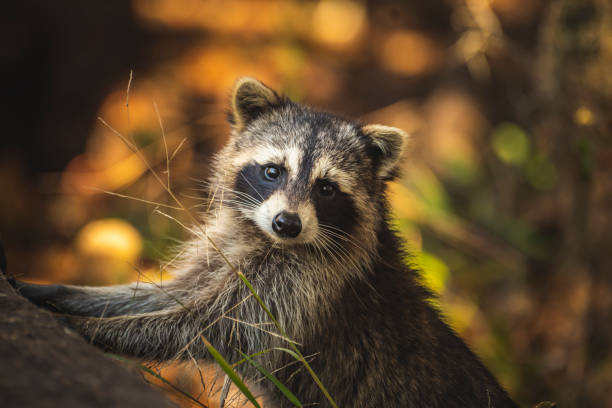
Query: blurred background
506,198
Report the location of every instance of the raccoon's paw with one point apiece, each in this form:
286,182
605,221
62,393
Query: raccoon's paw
10,279
45,296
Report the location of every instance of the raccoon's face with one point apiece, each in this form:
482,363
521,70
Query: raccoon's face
306,177
300,177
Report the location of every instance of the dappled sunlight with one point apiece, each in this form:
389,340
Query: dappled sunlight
110,237
338,23
242,17
108,251
404,114
410,53
456,126
213,69
82,177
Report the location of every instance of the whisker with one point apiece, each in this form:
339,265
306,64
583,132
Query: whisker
253,187
209,184
337,232
339,250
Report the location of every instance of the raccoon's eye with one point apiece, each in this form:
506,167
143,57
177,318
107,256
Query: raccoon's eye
327,189
272,172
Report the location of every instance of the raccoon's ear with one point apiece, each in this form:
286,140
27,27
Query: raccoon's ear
250,98
387,146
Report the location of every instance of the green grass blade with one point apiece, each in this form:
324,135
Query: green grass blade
299,355
244,360
290,352
230,372
286,392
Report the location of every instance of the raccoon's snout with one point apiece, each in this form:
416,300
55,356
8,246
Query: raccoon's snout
287,225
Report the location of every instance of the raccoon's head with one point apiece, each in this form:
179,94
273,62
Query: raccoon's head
305,177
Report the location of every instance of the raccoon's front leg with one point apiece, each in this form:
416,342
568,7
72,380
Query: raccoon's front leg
142,321
96,301
159,336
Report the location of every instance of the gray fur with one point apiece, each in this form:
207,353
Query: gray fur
346,297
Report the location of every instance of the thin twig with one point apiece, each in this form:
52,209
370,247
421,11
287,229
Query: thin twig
175,220
163,132
142,200
199,372
168,383
93,337
178,148
259,328
127,102
224,391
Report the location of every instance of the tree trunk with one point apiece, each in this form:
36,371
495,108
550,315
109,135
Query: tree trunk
43,364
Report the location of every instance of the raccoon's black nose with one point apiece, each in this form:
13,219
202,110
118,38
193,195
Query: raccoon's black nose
287,225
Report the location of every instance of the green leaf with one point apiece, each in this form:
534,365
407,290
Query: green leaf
230,372
290,396
510,143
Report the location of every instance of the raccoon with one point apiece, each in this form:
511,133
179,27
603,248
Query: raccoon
296,203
